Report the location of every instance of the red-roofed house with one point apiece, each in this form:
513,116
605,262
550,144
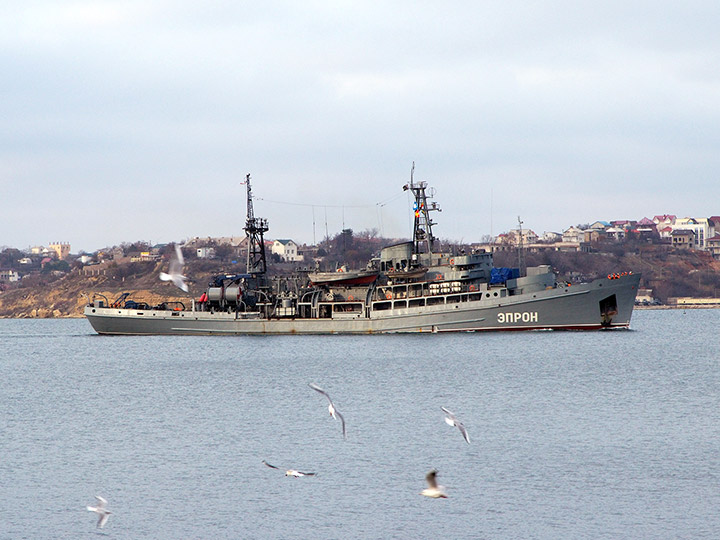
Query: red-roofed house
625,224
665,233
665,220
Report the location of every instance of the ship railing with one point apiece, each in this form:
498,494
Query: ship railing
431,297
420,290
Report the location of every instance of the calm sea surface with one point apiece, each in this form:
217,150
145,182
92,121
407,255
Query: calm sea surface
573,435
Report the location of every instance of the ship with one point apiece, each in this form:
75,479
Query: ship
411,287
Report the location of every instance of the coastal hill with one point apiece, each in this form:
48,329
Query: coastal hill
669,272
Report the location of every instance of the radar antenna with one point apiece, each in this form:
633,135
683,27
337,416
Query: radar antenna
254,230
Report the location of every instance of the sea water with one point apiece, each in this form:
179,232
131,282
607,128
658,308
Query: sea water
612,434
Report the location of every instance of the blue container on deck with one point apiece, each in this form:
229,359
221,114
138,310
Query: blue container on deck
501,275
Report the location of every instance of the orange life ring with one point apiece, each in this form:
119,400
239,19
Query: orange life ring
351,297
452,261
388,295
471,288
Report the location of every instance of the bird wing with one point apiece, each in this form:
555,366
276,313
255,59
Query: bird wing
102,520
450,415
102,503
318,389
179,282
177,263
176,268
430,477
307,473
342,419
268,465
178,253
464,432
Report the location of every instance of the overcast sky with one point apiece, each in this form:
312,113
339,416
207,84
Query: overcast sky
138,120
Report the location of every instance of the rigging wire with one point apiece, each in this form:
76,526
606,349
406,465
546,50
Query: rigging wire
313,205
378,206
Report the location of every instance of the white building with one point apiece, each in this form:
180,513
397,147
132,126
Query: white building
9,276
702,227
205,253
573,235
551,237
287,250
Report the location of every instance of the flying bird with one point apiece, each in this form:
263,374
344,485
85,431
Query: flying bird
290,472
331,406
176,269
433,490
452,420
101,510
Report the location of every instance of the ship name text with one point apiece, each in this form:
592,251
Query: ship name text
517,316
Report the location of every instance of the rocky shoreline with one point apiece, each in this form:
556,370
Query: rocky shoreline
68,299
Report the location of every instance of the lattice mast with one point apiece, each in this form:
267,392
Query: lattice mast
254,230
423,238
521,250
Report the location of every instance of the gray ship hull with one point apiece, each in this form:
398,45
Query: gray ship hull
603,303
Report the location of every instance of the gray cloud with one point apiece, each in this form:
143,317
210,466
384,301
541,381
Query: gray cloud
126,121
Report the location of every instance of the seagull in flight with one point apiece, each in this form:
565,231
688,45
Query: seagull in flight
433,490
452,420
331,407
101,510
290,472
176,269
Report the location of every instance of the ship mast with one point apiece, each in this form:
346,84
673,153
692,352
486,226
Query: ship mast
521,250
423,238
254,230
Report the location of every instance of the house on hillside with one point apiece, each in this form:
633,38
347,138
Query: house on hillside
595,235
700,226
625,224
714,226
683,239
665,233
714,246
286,249
664,221
511,238
647,228
61,249
551,237
616,233
206,252
573,235
9,276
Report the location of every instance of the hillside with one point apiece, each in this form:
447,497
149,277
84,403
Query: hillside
668,272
